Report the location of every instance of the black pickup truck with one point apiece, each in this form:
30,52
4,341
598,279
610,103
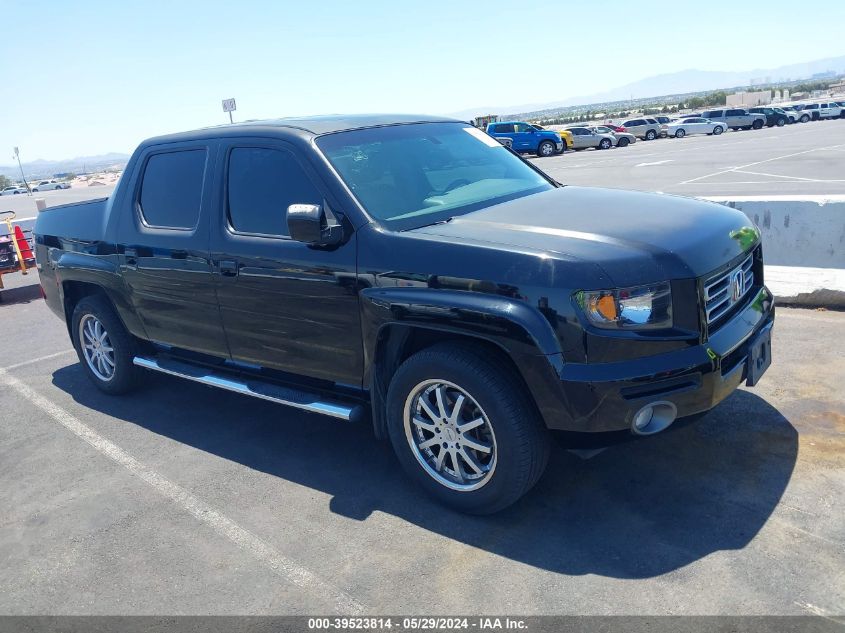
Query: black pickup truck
414,274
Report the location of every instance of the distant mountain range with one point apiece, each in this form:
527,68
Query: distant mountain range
682,82
82,164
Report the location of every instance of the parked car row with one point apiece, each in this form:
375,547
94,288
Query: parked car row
530,138
43,185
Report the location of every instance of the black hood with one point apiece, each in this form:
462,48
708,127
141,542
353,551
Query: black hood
635,237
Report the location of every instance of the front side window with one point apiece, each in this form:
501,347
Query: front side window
406,176
171,190
261,184
504,128
522,128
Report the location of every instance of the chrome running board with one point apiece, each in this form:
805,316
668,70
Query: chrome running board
251,387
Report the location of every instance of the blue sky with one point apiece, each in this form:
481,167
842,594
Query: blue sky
88,77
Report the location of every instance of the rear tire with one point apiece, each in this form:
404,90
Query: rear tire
104,347
506,448
546,148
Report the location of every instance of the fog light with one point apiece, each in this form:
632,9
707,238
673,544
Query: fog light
654,417
643,417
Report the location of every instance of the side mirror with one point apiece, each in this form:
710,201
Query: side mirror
309,224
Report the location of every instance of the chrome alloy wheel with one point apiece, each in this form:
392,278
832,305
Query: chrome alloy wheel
450,435
96,347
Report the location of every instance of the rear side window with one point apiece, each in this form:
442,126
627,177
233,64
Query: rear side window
634,123
171,191
735,112
262,184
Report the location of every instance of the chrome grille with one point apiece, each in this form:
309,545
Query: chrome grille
725,290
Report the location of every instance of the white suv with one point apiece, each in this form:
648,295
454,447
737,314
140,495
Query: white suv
13,190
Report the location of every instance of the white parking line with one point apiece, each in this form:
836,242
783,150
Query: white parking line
747,182
32,361
246,540
657,162
757,173
759,162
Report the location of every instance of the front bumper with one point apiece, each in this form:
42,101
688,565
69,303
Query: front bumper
605,396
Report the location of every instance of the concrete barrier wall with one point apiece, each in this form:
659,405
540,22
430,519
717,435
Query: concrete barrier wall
797,230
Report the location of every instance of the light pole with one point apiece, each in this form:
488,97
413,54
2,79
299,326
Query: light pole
26,184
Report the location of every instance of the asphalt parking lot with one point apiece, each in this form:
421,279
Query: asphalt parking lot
798,159
180,499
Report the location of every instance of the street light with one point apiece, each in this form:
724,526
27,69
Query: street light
26,184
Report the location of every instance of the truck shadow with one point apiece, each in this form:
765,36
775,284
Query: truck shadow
636,510
23,294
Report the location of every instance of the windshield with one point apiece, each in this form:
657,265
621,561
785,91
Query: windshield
407,176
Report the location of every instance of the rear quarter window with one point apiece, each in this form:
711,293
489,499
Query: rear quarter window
171,189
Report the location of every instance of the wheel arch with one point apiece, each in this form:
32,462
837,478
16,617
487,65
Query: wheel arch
81,275
398,323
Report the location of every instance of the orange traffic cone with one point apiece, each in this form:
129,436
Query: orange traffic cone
23,245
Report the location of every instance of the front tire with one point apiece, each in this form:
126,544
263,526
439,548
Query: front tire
757,124
717,130
622,142
546,148
781,122
605,143
805,118
680,133
464,430
104,347
650,135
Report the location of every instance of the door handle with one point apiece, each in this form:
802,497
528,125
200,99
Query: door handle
131,255
228,268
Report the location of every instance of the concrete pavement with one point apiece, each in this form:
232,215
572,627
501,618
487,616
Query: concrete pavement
182,499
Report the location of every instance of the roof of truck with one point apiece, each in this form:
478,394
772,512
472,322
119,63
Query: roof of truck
316,125
325,124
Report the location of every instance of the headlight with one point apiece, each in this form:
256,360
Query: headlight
640,308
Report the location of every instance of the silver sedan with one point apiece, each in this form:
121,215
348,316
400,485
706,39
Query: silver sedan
693,125
623,139
584,137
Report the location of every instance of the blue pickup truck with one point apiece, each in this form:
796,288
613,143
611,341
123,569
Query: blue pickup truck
528,138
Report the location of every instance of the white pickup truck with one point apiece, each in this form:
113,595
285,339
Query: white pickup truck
47,185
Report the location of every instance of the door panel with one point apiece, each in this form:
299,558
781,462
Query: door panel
284,305
167,269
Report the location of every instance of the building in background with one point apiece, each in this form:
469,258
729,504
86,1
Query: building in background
749,99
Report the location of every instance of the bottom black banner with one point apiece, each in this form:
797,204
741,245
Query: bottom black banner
433,624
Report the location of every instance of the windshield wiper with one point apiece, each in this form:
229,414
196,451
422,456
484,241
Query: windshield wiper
432,223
